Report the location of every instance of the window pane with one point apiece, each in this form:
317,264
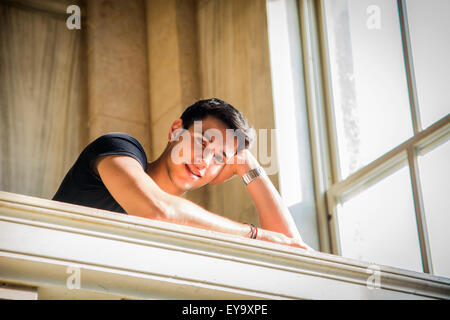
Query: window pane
429,28
368,79
435,180
291,118
378,225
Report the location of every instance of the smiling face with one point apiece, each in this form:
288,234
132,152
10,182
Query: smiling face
200,153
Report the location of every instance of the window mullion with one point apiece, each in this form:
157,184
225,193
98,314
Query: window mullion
409,66
419,210
425,138
411,150
324,171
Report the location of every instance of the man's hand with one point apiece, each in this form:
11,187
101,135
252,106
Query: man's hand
270,206
280,238
239,164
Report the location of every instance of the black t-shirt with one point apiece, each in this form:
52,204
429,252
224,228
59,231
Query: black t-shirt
83,186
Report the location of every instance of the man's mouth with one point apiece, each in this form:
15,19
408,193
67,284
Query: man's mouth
191,172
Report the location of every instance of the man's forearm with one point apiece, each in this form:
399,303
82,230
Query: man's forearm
273,213
182,211
139,195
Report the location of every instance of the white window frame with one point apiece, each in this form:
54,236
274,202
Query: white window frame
330,188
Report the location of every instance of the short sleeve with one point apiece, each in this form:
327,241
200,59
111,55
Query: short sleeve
114,143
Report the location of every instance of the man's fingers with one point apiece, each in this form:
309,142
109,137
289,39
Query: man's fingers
299,244
222,176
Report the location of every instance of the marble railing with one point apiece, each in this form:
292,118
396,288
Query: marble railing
53,250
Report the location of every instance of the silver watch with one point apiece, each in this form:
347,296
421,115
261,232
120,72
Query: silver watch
252,175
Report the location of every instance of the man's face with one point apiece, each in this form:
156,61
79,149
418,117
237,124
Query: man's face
200,153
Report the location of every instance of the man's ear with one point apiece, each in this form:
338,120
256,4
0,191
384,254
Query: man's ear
176,125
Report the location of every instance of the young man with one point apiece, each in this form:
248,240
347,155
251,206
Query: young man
112,173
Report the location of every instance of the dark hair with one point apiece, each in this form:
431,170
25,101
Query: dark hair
223,111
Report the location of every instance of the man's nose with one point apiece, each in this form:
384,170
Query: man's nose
206,161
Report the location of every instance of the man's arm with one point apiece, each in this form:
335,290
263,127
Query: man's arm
273,213
139,195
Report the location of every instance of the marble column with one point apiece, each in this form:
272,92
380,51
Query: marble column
118,69
173,70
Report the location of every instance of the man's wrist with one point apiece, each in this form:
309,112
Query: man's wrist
249,164
243,169
248,230
253,231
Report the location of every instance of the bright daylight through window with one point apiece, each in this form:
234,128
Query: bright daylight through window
388,68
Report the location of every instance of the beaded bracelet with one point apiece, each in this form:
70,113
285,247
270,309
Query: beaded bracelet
254,230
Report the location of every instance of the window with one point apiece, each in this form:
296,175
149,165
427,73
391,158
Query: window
378,103
435,180
378,224
293,148
368,79
367,85
388,102
428,30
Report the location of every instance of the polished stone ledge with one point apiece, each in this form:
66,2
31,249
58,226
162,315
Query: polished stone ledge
117,256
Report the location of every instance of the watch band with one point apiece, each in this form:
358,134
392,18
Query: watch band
252,175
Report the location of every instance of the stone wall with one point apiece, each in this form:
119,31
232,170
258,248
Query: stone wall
235,67
133,67
117,69
43,110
